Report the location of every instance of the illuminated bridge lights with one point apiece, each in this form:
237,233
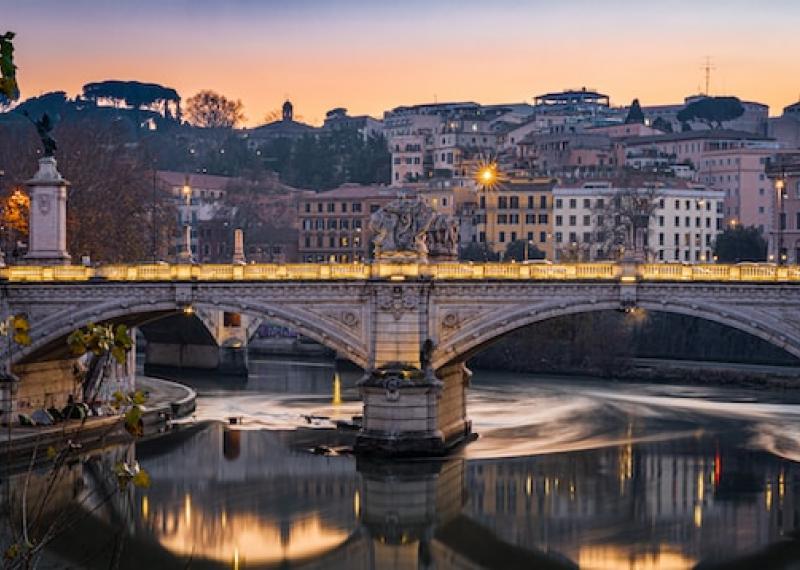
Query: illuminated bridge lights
746,273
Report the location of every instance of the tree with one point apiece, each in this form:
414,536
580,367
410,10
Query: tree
14,217
209,109
635,114
740,244
475,251
516,250
136,95
712,111
662,125
9,89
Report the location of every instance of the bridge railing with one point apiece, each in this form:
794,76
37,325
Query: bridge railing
743,272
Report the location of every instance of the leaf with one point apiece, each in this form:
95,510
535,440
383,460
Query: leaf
133,419
51,452
12,551
22,338
141,479
21,323
139,397
119,354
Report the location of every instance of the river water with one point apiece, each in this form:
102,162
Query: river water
566,473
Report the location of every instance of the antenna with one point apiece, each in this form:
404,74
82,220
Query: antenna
707,68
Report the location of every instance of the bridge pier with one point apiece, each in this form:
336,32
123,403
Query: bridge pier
408,412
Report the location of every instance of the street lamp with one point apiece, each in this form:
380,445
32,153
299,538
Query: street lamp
186,253
780,188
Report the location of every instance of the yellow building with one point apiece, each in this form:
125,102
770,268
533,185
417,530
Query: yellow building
516,209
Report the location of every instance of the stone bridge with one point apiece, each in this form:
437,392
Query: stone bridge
411,326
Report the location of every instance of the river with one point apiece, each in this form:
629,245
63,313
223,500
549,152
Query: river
567,473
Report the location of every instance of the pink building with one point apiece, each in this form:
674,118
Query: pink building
784,238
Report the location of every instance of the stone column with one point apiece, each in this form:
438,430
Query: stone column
9,385
238,246
47,242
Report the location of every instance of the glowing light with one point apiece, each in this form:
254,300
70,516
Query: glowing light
781,485
487,174
357,503
700,487
529,485
188,310
235,559
337,389
145,507
187,509
698,516
768,497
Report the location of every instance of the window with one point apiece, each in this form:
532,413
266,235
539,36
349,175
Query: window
677,221
331,207
587,237
542,237
530,218
661,221
513,218
530,202
482,237
483,202
319,208
513,236
601,203
559,203
502,218
573,221
573,203
332,224
587,220
587,203
660,239
677,204
514,202
502,203
559,237
308,207
344,207
573,237
543,201
231,320
356,207
542,218
502,238
559,220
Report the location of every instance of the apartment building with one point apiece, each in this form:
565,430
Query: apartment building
518,209
783,173
334,225
685,221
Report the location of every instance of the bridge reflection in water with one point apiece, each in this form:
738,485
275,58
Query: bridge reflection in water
255,499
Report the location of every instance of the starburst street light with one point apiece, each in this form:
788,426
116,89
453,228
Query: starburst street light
486,174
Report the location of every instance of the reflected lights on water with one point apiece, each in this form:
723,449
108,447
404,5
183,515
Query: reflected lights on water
618,558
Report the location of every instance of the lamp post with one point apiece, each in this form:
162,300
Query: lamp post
780,189
186,251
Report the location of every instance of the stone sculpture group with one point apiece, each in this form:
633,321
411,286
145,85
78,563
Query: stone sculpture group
408,229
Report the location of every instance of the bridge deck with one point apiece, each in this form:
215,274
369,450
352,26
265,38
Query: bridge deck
743,272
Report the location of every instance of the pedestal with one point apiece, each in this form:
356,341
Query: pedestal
47,242
411,413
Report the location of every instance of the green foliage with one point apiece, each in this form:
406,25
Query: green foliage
100,339
131,474
9,89
713,111
635,114
131,404
18,328
516,250
740,244
132,93
475,251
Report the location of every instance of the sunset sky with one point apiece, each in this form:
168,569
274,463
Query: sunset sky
369,56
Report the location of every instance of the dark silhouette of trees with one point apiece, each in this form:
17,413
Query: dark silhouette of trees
740,244
516,250
635,114
475,251
209,109
9,89
136,95
662,125
712,111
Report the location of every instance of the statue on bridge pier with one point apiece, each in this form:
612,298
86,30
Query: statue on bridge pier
409,230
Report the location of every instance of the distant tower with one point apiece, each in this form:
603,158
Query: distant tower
708,68
288,111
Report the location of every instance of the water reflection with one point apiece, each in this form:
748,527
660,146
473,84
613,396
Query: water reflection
662,484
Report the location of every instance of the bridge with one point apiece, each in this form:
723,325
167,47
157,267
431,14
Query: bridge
411,325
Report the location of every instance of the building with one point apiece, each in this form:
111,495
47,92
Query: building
198,197
338,120
517,209
570,155
334,225
754,120
786,128
783,172
683,226
285,128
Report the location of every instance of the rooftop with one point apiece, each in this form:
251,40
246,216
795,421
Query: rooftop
206,181
707,134
355,191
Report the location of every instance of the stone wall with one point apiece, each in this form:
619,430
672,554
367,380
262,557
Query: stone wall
46,385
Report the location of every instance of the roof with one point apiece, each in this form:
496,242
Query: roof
355,191
728,134
207,181
289,127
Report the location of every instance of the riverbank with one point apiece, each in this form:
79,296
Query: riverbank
166,401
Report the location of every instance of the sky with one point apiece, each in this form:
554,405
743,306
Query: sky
373,55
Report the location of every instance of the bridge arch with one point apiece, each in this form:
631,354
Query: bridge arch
497,324
49,333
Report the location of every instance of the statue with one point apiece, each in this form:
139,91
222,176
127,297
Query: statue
442,238
43,128
400,228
